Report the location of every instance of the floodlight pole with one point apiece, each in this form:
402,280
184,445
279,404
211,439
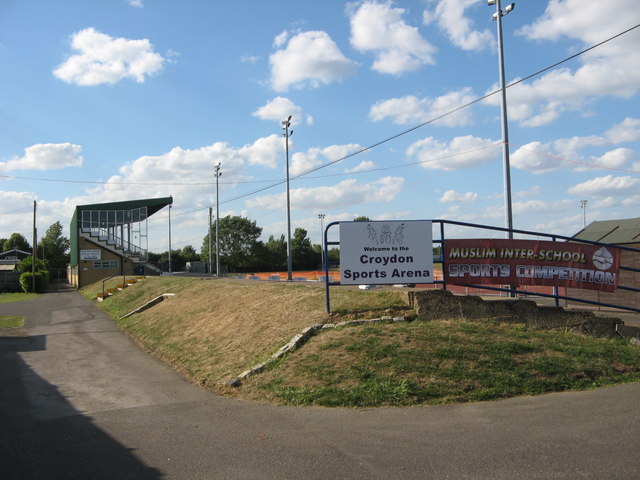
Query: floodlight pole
583,204
505,129
217,173
286,124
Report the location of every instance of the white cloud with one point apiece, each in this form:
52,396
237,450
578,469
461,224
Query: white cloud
607,186
341,195
532,192
46,156
538,157
310,59
136,3
462,152
304,161
252,59
533,207
449,15
362,167
411,109
103,59
279,109
451,196
626,131
398,47
187,174
616,158
609,70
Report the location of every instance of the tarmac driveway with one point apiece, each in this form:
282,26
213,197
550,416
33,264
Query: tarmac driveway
80,399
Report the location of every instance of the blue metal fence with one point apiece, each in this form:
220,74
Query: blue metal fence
441,227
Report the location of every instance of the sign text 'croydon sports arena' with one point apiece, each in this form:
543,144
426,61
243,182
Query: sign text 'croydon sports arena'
386,252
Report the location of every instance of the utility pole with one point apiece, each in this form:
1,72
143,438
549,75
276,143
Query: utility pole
218,174
286,124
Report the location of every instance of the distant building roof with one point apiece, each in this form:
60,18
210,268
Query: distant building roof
617,232
15,251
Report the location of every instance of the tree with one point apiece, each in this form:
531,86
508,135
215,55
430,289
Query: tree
303,255
275,254
54,246
16,240
362,219
189,254
239,245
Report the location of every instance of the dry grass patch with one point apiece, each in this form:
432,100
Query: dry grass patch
214,329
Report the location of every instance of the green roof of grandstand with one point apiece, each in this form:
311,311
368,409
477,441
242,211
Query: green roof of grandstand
616,232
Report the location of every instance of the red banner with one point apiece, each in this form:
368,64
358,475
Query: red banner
531,262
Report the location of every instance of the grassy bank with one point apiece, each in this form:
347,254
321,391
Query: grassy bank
214,329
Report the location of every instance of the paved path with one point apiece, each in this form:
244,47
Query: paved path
79,399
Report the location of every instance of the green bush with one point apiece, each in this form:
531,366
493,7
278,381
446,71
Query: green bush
42,281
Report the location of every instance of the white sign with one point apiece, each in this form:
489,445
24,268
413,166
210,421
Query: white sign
89,254
386,252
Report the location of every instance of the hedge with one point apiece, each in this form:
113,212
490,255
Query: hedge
42,281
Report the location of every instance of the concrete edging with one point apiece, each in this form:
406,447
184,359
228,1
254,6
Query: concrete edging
149,304
298,340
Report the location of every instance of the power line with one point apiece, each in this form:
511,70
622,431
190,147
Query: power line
353,154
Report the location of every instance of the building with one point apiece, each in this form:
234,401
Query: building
625,233
109,239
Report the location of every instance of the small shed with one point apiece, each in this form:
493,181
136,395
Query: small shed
9,276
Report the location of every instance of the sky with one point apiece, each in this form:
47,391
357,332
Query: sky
114,100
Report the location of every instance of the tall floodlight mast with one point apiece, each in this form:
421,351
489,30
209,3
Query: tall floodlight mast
508,213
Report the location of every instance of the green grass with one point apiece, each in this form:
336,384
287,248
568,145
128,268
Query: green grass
16,297
213,330
11,321
445,362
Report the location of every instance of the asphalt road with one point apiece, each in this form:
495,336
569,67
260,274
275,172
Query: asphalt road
79,399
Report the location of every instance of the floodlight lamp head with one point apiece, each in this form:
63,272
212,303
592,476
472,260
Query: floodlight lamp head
491,2
510,7
495,16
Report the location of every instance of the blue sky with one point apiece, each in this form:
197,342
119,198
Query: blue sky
115,100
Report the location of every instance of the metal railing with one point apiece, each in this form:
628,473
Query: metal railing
504,288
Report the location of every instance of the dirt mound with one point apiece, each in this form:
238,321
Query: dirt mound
443,305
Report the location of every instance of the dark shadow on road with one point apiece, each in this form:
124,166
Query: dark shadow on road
42,436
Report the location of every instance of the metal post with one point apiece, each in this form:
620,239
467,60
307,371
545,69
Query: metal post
169,238
217,173
321,217
285,126
210,242
583,204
